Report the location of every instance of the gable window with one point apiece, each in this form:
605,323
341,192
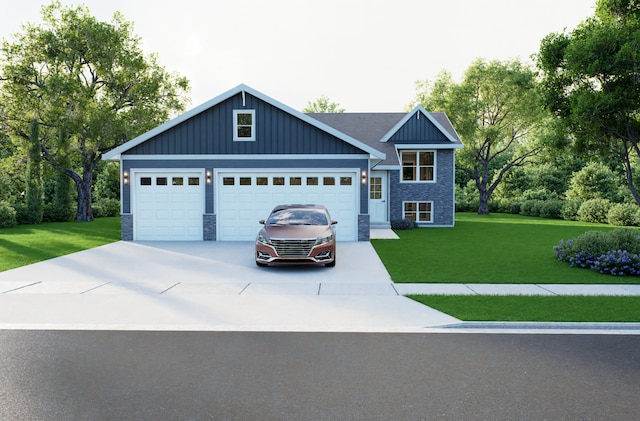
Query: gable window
418,211
418,165
244,125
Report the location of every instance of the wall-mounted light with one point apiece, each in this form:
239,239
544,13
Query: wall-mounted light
364,177
208,177
125,177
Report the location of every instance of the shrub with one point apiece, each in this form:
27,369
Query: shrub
594,181
552,209
505,206
7,215
403,224
594,210
623,214
570,210
105,207
615,252
531,207
53,213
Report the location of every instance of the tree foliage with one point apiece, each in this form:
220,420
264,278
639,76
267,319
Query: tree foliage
89,78
591,81
496,112
34,204
323,105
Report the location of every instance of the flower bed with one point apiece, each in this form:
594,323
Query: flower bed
614,253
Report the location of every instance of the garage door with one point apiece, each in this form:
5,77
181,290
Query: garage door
244,198
168,206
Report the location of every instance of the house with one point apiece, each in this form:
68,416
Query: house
213,172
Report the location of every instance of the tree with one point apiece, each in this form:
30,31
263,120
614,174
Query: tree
591,82
34,189
322,105
90,78
496,112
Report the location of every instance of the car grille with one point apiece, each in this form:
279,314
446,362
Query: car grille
293,247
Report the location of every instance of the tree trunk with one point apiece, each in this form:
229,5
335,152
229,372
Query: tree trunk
483,207
83,186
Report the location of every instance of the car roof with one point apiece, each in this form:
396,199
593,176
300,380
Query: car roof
297,206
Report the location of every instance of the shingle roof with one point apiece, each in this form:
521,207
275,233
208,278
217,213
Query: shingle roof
370,128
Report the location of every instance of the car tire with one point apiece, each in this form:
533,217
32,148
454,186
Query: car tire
332,264
261,264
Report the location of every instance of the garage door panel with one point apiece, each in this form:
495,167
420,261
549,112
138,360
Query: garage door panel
265,192
168,205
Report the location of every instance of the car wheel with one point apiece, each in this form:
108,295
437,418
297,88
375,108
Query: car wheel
332,264
261,264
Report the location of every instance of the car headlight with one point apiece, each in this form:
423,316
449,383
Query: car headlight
324,240
263,240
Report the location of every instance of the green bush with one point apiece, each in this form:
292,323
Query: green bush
53,213
594,210
7,215
552,209
503,205
403,224
623,214
531,207
626,239
570,209
594,181
105,207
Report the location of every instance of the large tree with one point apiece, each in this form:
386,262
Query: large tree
496,112
323,105
591,82
88,78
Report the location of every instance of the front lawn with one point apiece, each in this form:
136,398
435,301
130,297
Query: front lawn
497,248
519,308
26,244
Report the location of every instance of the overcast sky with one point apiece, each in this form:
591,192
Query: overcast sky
364,54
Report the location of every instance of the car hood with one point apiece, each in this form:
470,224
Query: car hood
296,231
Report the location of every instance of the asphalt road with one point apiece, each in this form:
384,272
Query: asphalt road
78,375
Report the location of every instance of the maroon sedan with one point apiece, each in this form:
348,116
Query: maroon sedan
297,234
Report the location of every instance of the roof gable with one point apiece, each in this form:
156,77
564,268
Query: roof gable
235,97
419,126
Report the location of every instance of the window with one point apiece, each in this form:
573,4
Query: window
375,188
194,181
295,181
228,181
345,181
418,211
244,125
418,165
177,181
312,181
278,181
262,181
329,181
161,181
245,181
145,181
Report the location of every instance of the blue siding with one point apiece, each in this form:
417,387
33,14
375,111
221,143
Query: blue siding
276,132
419,130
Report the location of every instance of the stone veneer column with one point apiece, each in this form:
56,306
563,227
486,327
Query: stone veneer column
126,227
363,227
209,227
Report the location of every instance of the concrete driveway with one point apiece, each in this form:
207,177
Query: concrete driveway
207,286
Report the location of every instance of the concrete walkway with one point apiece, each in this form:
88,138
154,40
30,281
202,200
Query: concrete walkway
217,287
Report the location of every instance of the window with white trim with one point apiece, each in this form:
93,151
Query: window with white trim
418,211
244,125
418,165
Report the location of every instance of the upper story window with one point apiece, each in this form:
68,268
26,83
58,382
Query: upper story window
418,165
244,125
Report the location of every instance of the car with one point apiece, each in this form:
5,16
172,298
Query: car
297,234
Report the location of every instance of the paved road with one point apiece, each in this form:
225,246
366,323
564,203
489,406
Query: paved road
107,375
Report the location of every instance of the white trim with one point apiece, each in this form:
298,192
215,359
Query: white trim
417,202
262,157
114,154
435,167
237,138
419,109
428,145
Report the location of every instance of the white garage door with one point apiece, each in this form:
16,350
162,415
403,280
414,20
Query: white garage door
244,198
168,206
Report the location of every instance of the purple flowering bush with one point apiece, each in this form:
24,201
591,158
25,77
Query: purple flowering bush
614,253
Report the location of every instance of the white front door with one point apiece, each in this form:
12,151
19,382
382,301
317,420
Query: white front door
378,196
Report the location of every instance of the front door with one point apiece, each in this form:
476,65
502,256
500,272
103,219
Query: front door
378,196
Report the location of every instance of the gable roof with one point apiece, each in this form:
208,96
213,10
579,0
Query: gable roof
375,129
115,154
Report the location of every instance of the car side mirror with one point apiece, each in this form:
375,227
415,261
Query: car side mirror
334,222
261,222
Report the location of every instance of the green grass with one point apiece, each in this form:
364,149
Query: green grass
26,244
497,248
535,308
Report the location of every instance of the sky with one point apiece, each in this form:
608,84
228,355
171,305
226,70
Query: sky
365,55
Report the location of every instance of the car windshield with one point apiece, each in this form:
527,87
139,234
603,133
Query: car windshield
298,217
